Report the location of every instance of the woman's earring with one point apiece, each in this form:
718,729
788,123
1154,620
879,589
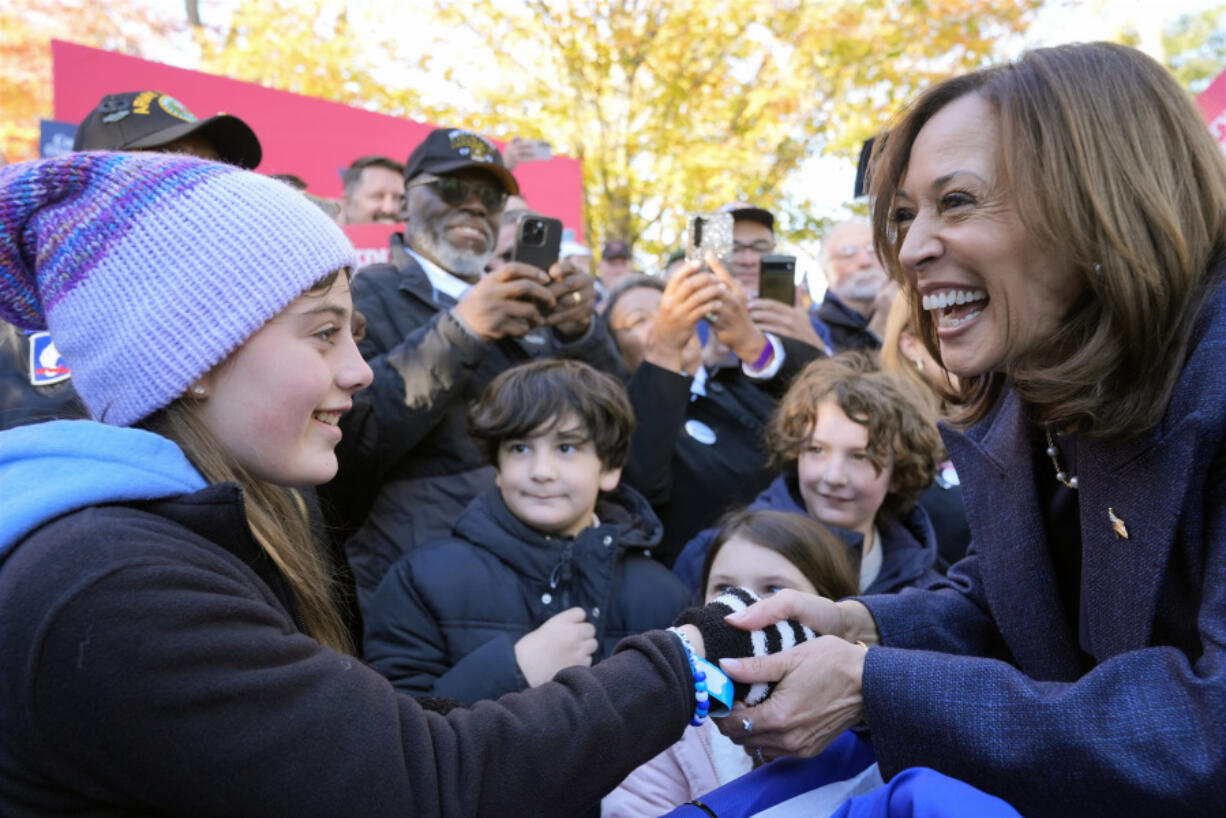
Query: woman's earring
1098,269
919,363
198,391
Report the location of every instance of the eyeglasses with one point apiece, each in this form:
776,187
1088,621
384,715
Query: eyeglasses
456,191
849,250
761,247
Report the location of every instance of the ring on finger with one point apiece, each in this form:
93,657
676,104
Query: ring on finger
757,751
747,724
577,297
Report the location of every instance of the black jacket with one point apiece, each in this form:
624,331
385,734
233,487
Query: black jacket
152,664
446,618
696,456
22,402
409,467
848,328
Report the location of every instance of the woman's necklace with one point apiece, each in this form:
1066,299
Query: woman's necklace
1054,454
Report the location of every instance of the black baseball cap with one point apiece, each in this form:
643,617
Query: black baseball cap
748,212
148,120
450,149
615,248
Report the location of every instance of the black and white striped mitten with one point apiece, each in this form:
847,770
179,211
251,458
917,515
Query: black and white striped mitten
723,641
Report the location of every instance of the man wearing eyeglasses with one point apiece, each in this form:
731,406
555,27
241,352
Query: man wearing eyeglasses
753,236
439,328
858,293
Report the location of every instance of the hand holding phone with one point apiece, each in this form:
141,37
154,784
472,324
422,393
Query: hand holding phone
732,322
508,302
575,291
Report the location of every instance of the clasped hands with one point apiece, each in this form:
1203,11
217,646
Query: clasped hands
817,694
516,298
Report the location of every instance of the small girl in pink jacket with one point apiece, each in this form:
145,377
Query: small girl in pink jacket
765,552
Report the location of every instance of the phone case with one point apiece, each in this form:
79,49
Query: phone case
777,279
543,253
708,231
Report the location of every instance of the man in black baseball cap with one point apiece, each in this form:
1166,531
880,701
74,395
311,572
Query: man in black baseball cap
616,262
447,150
753,236
439,329
152,121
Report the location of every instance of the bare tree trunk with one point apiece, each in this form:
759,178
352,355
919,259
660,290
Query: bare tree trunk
193,12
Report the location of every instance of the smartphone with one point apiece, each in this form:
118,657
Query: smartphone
537,241
777,279
708,231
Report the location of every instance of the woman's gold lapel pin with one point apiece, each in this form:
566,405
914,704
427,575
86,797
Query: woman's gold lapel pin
1121,530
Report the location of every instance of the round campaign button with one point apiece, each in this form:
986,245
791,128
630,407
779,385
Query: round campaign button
700,431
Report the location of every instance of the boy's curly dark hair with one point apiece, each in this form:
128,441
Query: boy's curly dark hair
900,427
531,398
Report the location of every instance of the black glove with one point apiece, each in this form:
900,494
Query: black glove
723,641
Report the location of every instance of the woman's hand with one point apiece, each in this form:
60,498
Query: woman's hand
818,690
848,619
816,697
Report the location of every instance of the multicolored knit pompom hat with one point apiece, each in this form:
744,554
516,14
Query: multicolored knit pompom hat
149,269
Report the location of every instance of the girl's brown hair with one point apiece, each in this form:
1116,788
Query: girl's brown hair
901,426
815,550
277,516
1122,175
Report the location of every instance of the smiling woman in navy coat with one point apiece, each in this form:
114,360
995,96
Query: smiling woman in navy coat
1059,224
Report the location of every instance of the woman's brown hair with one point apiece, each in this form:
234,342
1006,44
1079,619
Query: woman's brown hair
1119,172
815,550
901,426
277,515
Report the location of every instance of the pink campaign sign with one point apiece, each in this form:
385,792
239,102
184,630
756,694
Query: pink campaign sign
372,241
1212,103
312,138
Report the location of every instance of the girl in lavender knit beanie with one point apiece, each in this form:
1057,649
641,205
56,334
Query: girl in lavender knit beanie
149,269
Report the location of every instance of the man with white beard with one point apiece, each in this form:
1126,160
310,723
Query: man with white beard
438,330
858,293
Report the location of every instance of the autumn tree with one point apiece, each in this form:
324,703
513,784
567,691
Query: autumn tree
26,30
682,106
1195,46
311,48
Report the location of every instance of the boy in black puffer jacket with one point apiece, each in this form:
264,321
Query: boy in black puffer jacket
549,570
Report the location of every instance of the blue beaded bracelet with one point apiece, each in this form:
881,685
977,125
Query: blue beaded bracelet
702,700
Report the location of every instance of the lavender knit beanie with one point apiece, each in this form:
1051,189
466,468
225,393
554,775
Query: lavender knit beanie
149,269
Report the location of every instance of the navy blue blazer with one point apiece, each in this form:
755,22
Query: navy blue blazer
981,678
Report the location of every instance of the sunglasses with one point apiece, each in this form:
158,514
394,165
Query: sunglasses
455,191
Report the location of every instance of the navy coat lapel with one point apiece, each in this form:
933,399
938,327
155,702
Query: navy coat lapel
1144,483
994,462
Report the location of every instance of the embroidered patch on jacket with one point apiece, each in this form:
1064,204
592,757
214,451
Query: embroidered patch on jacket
46,365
